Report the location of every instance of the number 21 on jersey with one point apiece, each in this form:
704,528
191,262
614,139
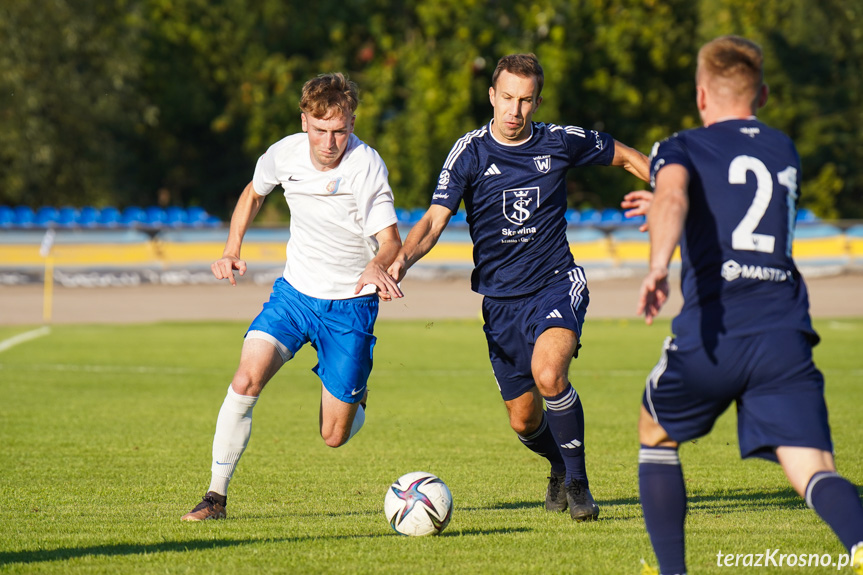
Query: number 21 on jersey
744,237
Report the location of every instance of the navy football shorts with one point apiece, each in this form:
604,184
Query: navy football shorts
513,324
340,330
771,376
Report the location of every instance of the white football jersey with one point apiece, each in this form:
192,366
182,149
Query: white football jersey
334,214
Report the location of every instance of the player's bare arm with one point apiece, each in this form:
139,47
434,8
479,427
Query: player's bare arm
421,239
247,208
631,160
665,219
389,243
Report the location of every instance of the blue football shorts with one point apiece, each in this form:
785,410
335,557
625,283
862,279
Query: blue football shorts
771,376
340,331
512,326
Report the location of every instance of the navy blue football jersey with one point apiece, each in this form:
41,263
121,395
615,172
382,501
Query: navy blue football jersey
515,202
738,275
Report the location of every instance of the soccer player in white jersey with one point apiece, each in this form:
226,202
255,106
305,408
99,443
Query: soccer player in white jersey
343,236
727,193
511,175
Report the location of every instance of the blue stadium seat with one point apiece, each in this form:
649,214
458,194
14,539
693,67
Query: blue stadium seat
67,217
46,216
213,222
404,216
7,217
109,217
196,217
132,217
155,217
24,216
416,215
459,219
88,217
590,216
573,217
805,215
176,217
610,216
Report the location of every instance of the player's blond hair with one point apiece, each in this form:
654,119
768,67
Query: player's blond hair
732,65
325,94
524,65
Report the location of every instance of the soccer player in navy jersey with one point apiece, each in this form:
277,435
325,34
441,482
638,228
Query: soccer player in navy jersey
511,175
727,193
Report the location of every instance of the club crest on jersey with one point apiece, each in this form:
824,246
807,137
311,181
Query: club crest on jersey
543,163
333,185
519,204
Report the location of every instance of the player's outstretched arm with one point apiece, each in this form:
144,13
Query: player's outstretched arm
421,239
389,243
631,160
636,204
247,208
665,219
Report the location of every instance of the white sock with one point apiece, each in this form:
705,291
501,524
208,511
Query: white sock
359,420
233,429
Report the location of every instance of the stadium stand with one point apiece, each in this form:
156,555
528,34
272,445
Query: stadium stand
90,217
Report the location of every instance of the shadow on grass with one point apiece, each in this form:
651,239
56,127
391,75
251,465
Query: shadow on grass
731,499
64,553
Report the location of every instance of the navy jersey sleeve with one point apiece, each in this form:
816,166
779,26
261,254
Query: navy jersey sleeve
669,151
457,172
588,148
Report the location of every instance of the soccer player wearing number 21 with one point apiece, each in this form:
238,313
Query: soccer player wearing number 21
343,238
727,193
511,175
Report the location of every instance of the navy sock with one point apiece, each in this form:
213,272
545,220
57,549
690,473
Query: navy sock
566,420
836,501
663,501
542,443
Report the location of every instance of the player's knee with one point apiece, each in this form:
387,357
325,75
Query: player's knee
651,434
244,384
549,381
525,424
335,438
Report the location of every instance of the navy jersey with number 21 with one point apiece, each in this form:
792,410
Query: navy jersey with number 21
738,276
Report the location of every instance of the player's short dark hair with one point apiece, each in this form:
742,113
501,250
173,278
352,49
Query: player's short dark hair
736,61
524,65
328,92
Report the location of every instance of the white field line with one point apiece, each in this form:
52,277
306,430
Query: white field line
22,337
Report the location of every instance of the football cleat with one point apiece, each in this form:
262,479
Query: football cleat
555,495
647,569
582,507
212,506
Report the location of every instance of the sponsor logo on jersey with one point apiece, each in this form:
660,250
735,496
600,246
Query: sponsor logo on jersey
443,180
519,203
333,185
437,196
750,131
492,170
599,144
554,314
731,270
543,163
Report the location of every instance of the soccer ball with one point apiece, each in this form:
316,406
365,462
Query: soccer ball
418,503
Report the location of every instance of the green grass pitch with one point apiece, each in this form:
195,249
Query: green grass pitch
106,434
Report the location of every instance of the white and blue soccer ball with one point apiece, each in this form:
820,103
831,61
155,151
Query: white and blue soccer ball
418,503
